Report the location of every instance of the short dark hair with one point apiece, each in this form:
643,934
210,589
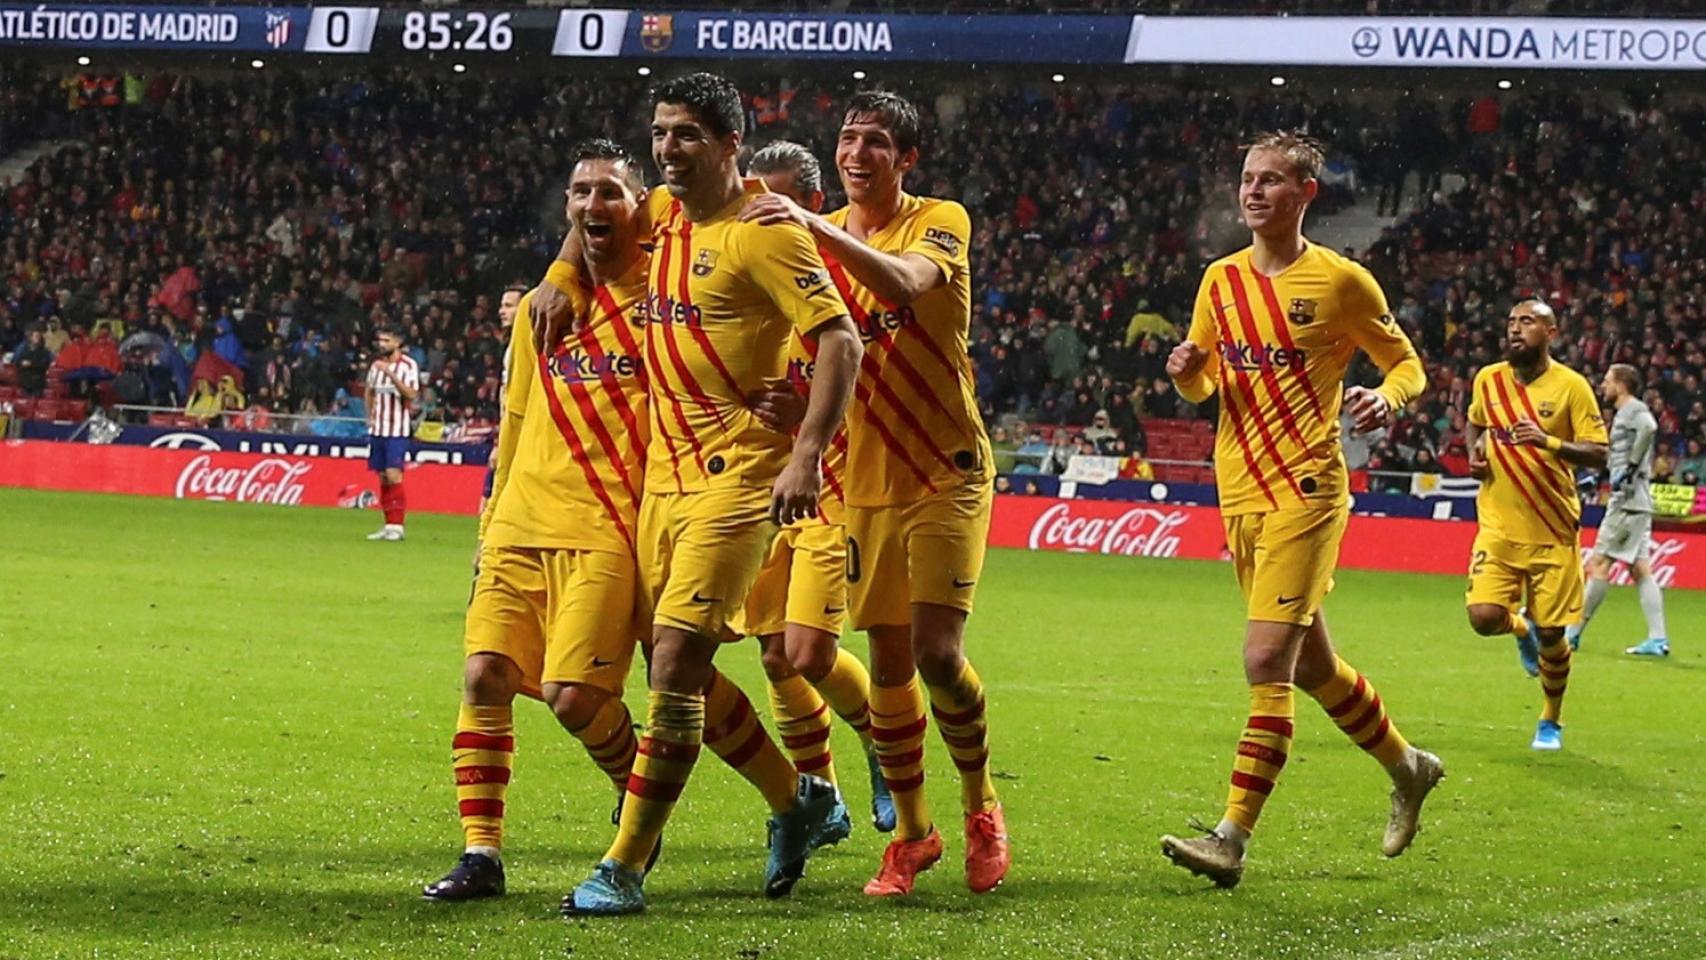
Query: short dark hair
714,98
896,114
392,329
1541,307
1628,376
1305,153
516,286
600,148
787,155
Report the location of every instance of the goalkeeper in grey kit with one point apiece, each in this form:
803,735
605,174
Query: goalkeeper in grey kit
1626,533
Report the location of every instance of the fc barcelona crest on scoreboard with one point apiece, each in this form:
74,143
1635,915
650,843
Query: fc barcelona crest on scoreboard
657,31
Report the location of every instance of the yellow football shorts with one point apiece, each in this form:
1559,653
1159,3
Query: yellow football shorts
1285,560
563,616
803,581
699,555
1548,577
927,551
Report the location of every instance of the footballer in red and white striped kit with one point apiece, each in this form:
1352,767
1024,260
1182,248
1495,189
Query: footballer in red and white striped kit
393,382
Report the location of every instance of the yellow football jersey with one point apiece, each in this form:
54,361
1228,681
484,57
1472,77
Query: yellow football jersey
1530,496
725,299
572,449
1279,348
914,427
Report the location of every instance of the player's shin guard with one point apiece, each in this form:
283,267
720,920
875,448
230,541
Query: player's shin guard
609,741
674,729
847,687
1355,706
960,718
1262,752
802,720
482,754
1554,678
897,726
733,732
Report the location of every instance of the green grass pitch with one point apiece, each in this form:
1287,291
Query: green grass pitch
226,734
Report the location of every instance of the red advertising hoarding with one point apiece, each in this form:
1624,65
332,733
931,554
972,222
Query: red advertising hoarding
283,479
1371,543
1033,523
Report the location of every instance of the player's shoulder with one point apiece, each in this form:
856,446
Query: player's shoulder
1491,370
935,210
659,203
1572,379
1237,258
1344,271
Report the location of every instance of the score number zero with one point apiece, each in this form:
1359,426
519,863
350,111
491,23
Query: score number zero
439,30
590,33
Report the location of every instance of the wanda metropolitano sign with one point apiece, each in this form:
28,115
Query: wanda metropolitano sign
1119,528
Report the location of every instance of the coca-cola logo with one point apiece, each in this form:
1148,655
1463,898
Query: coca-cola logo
271,480
1663,560
1141,531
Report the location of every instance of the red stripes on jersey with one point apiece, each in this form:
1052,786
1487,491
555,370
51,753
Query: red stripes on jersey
657,406
664,392
871,371
1247,393
619,324
839,441
589,413
1513,464
578,451
689,384
698,331
1283,331
1252,335
1555,470
389,416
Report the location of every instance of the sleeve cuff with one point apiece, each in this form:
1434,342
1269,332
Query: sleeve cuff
564,276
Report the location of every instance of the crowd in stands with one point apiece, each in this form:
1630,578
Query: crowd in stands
229,245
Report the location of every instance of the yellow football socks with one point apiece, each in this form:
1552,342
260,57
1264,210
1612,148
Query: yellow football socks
1355,706
802,721
482,754
1262,752
897,726
675,726
959,711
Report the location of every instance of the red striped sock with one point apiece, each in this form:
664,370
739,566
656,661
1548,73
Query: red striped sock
961,720
1262,752
482,754
897,726
802,720
1355,707
1554,678
733,732
609,740
675,726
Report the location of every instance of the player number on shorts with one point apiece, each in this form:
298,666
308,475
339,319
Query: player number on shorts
1476,562
590,33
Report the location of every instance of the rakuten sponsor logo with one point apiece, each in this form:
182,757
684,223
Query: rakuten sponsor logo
272,480
1138,532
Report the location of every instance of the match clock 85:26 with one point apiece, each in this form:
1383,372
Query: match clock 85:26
466,30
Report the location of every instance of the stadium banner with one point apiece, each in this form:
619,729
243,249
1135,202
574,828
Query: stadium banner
195,474
1528,43
1172,531
197,438
1676,502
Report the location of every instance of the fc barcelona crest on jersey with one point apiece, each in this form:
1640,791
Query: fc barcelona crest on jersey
657,31
704,263
1302,312
1547,409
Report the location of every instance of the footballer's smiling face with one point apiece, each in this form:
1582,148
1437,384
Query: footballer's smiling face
602,202
688,153
869,160
1528,332
1271,195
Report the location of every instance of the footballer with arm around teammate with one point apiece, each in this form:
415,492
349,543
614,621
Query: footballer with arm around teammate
920,484
724,298
1532,420
799,602
1626,532
1274,330
553,613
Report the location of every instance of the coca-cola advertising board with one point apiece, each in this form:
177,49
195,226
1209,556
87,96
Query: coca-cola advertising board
283,480
1371,543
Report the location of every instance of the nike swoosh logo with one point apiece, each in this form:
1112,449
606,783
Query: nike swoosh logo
832,611
813,293
962,584
601,663
1287,600
698,599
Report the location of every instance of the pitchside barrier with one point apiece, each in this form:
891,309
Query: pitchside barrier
1158,530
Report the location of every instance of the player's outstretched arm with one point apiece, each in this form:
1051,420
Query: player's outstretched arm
839,351
898,279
